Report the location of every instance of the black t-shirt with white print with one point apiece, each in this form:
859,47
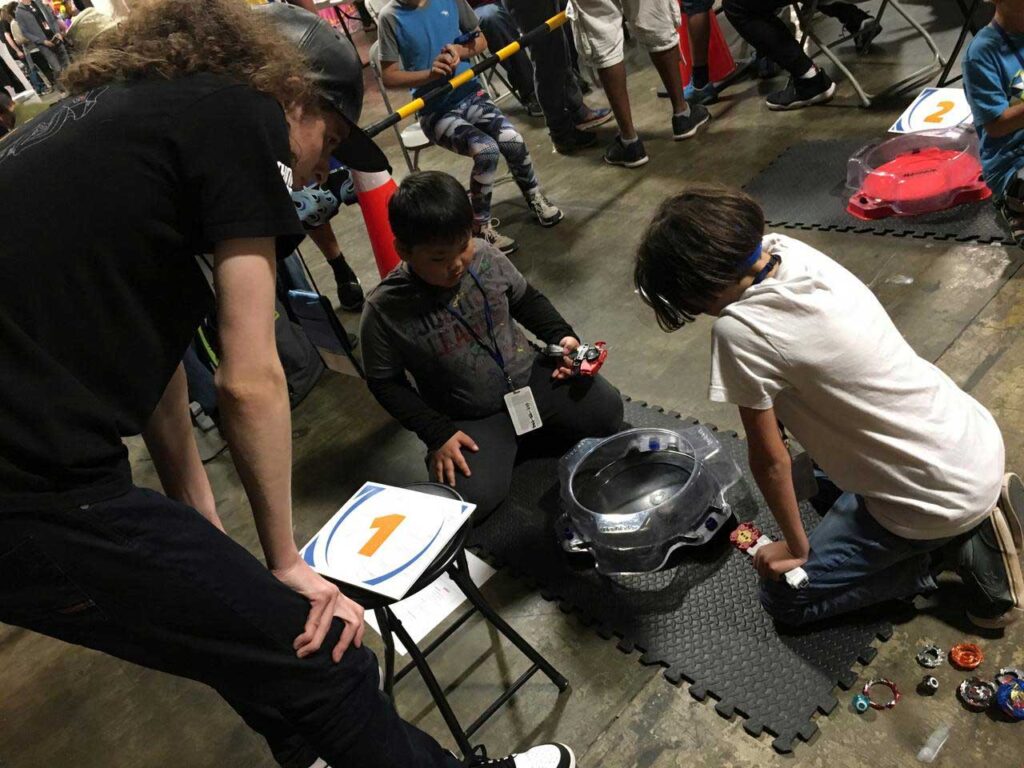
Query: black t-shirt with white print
99,299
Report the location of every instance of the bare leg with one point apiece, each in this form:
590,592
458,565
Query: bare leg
667,64
613,80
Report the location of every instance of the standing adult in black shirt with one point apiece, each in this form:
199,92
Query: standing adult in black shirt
169,116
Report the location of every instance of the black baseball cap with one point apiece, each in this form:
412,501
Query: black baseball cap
337,72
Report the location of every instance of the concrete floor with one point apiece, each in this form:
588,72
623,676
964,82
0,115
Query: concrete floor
961,306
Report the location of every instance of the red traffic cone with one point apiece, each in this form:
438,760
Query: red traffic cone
374,190
720,61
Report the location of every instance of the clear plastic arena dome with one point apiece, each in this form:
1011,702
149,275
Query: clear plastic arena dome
630,500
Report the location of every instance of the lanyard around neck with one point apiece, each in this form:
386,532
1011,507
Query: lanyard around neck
492,349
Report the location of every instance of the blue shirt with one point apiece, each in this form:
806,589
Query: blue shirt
994,81
415,36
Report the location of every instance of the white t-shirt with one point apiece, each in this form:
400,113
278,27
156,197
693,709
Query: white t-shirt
814,343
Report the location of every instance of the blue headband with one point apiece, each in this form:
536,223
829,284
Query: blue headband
751,260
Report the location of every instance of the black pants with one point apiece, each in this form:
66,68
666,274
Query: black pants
556,87
500,29
150,581
570,411
759,24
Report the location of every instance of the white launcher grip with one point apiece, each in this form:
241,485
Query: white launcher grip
796,578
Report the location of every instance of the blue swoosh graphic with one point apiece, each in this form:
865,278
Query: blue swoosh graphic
367,493
307,553
378,579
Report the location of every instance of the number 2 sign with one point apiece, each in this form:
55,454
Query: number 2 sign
934,109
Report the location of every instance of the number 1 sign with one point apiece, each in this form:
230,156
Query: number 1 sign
383,538
933,109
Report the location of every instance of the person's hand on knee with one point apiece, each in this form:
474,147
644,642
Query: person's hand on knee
446,459
326,603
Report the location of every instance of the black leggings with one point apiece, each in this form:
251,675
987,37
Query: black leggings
759,24
570,411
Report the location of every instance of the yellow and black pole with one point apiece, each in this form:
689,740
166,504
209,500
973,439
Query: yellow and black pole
462,78
374,190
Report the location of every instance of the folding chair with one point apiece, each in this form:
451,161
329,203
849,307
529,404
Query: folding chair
805,12
411,138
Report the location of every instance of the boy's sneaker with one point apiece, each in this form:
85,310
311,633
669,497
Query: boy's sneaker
1014,221
593,118
627,155
765,67
490,233
868,30
803,92
547,214
990,563
350,291
707,94
533,107
566,145
686,126
543,756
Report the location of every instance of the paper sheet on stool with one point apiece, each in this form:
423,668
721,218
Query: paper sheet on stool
424,611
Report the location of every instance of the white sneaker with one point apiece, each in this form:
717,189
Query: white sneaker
542,756
490,233
547,214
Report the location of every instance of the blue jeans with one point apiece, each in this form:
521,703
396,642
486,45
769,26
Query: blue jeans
854,562
500,29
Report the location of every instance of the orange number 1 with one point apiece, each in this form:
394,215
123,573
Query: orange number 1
936,117
385,527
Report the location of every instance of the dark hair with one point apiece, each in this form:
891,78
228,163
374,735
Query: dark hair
693,249
430,208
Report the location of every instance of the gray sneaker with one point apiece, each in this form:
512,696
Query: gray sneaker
686,127
547,214
490,233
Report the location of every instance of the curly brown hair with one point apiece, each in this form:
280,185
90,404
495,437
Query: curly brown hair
168,39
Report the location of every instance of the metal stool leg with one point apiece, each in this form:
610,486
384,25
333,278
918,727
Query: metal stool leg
434,687
460,575
384,622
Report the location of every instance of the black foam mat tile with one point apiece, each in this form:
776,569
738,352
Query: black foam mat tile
805,188
700,617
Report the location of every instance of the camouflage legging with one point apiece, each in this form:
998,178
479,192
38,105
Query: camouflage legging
476,128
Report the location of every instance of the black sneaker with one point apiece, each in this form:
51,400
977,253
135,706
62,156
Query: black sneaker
566,145
990,567
350,291
543,756
803,92
765,67
686,126
628,156
868,30
533,108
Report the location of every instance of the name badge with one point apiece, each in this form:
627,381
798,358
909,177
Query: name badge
522,408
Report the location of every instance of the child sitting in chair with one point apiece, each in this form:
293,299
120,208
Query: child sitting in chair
418,51
449,316
800,341
993,70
